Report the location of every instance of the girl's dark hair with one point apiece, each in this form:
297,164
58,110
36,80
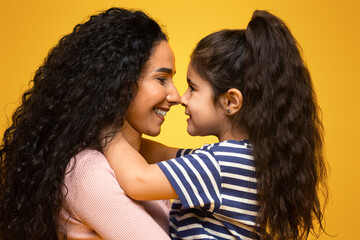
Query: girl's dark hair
84,86
281,116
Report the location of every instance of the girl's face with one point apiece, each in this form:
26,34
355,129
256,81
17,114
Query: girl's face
156,93
205,118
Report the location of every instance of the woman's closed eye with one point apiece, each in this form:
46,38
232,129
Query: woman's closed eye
161,80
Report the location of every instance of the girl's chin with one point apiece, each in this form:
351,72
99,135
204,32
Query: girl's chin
191,132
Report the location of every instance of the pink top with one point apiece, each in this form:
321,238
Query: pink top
96,207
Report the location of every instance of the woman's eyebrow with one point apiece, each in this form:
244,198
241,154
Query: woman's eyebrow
165,70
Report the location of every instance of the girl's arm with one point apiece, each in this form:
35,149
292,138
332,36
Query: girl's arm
155,152
140,180
94,196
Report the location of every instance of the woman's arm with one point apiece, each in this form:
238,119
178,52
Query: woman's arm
140,180
155,152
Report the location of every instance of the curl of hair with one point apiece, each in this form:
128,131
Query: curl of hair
85,85
281,116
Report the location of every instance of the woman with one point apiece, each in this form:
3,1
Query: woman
55,181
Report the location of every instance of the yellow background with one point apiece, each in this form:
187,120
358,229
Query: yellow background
328,32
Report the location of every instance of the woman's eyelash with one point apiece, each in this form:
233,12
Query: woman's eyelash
161,79
191,88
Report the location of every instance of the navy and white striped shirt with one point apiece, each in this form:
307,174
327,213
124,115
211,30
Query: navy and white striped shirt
217,191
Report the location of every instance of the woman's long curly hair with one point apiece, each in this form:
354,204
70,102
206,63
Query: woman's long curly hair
85,85
281,116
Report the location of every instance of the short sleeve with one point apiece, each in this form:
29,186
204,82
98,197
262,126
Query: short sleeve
183,152
195,178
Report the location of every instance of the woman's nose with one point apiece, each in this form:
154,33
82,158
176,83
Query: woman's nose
173,96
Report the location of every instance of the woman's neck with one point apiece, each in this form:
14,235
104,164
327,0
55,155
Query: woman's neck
132,136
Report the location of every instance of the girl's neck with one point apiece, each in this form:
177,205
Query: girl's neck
233,134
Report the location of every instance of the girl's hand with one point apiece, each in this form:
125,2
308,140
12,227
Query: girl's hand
155,152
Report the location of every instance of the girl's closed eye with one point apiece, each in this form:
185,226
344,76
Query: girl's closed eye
191,88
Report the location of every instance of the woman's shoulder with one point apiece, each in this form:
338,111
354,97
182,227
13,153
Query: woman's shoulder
88,154
89,174
89,162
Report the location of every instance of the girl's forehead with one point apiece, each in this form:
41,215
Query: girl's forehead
192,73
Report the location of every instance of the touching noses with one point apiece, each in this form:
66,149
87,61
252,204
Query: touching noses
173,96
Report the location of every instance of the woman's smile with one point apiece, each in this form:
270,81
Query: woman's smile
161,113
156,93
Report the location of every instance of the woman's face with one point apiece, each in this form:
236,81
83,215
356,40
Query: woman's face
156,93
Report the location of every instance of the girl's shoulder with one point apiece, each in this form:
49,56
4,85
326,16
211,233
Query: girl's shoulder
228,145
234,146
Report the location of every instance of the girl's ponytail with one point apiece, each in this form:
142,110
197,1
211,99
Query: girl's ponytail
282,117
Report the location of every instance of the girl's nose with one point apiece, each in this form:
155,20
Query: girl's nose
184,99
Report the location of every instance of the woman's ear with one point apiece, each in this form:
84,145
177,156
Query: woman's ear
232,101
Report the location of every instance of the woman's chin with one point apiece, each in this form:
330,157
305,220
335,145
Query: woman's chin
153,133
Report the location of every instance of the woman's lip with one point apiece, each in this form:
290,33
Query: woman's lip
163,108
156,110
160,116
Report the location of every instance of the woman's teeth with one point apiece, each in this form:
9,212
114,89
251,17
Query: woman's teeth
160,112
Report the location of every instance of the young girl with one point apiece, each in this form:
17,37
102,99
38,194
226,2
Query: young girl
252,90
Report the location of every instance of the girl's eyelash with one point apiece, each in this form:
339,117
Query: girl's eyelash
191,88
